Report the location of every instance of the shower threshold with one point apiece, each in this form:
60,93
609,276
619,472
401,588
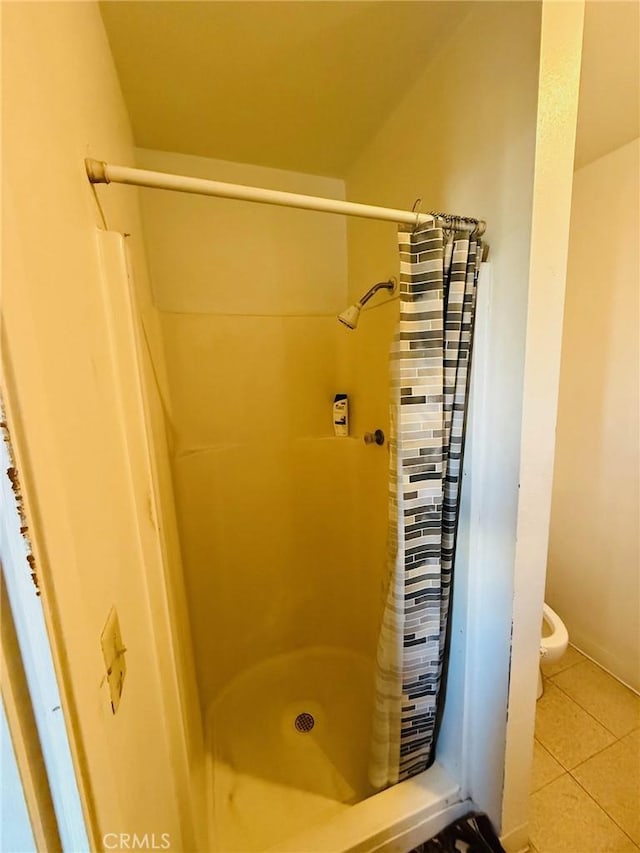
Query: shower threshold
392,821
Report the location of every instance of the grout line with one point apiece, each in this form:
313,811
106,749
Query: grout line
568,667
550,782
591,797
588,713
560,671
570,769
564,769
604,669
602,808
599,752
547,750
553,755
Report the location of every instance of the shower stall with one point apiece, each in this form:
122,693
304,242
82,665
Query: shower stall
283,524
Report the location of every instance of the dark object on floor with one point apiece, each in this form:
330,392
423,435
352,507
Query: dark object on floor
470,834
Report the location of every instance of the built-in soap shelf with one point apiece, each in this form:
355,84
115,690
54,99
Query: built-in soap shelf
376,438
345,438
185,452
189,452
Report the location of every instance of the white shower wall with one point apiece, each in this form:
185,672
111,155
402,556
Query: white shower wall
266,495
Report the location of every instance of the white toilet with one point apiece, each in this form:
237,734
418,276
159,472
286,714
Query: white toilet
554,640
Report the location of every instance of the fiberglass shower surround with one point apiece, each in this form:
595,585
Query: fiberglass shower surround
430,367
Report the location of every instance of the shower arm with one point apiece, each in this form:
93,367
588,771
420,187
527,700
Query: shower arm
381,285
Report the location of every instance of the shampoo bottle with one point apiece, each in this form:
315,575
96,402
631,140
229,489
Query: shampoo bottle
341,414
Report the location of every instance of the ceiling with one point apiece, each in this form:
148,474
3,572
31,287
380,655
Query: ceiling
304,84
609,106
293,85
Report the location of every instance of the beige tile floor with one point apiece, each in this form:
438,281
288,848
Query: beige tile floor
585,792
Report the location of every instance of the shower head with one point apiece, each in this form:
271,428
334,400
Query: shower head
351,315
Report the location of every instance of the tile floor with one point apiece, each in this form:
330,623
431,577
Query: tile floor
585,792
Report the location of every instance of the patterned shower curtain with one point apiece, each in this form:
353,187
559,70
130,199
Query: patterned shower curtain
430,362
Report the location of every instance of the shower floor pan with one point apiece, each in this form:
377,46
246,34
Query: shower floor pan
288,751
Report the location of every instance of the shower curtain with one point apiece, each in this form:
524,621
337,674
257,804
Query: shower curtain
430,361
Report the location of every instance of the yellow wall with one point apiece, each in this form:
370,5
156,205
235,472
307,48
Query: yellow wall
249,296
593,580
85,481
462,138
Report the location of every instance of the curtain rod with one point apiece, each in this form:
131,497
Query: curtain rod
99,172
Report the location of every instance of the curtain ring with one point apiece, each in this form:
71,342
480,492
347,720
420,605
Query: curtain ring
417,204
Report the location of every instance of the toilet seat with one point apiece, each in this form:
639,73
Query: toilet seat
557,641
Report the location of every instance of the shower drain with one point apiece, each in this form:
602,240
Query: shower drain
304,722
